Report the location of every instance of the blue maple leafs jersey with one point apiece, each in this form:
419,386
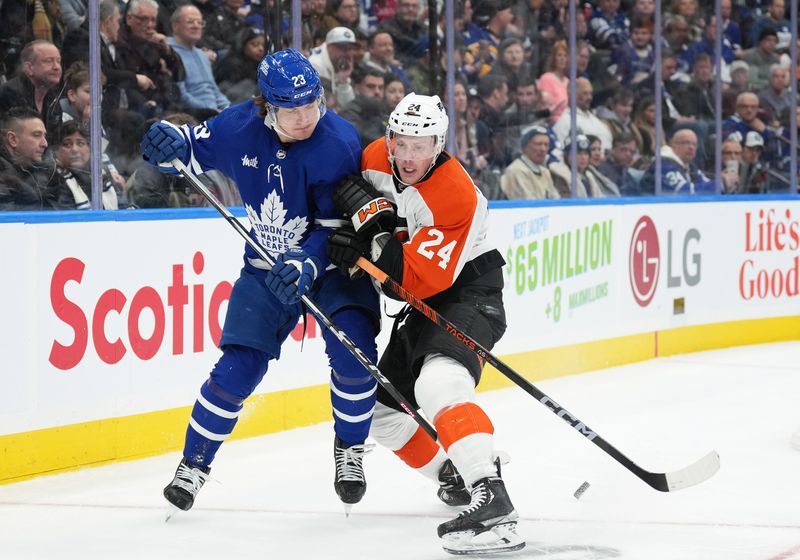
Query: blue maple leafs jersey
287,189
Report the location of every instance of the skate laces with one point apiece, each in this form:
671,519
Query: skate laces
349,461
189,478
481,496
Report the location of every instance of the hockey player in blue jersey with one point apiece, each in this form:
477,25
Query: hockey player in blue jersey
286,155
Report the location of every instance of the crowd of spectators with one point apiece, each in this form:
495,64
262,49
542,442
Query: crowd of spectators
186,60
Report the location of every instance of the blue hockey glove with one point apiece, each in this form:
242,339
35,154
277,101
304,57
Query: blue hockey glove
162,143
292,275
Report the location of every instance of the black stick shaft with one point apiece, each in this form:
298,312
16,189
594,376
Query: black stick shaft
657,481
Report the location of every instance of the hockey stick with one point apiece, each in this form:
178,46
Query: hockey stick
693,474
315,310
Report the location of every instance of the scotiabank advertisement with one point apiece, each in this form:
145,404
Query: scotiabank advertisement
107,319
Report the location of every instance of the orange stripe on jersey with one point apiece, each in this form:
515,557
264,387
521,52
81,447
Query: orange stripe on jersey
461,421
419,450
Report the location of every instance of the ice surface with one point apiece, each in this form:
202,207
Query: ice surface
274,497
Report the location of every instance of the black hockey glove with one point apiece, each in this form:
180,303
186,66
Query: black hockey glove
344,248
370,211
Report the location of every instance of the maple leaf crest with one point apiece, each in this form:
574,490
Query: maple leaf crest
274,233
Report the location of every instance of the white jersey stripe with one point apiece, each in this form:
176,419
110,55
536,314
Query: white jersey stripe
205,433
217,410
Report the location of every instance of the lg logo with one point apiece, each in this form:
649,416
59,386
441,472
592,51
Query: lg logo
644,260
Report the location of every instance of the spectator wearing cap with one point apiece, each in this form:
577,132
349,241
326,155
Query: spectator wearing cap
609,28
740,83
761,58
585,120
776,97
617,166
380,56
528,177
406,29
586,185
334,60
754,177
482,37
679,175
774,19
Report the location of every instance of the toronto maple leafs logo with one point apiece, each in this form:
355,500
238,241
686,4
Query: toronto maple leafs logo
272,230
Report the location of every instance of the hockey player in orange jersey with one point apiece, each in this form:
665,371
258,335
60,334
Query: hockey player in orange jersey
432,239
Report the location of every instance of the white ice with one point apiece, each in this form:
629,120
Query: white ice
274,497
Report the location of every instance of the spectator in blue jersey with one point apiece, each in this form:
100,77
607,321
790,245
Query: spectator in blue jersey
609,28
631,62
745,119
730,27
774,19
199,89
286,155
483,36
706,45
679,175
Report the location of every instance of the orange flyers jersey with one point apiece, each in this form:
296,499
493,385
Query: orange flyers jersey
447,219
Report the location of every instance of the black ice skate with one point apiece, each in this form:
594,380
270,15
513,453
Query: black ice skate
350,484
452,490
488,525
184,487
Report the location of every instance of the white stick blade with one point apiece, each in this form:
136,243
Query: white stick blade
695,473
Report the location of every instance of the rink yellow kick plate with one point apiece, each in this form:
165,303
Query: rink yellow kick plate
30,454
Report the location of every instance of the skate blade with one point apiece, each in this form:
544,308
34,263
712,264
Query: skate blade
171,510
501,538
347,509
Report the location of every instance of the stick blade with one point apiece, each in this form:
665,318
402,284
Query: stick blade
699,471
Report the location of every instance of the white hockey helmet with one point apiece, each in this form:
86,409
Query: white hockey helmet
418,115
